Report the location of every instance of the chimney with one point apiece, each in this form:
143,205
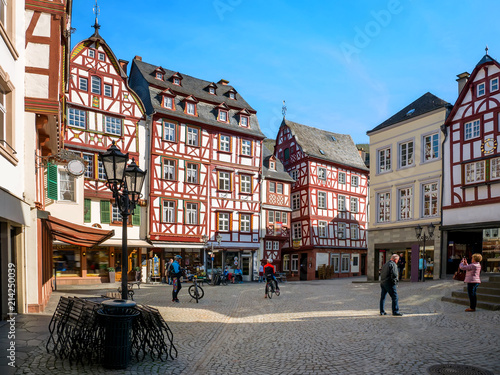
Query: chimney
223,82
462,80
123,64
138,58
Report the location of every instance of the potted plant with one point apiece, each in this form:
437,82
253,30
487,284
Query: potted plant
112,274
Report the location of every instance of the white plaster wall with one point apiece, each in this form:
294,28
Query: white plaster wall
37,55
42,27
469,215
37,86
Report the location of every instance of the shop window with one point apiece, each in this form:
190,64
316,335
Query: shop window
67,262
97,262
286,262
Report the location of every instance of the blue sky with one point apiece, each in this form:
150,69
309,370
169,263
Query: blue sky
342,66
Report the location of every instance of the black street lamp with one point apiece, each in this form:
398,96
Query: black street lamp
424,237
126,185
205,239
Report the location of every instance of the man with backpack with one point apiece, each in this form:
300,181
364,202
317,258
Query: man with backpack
270,273
175,273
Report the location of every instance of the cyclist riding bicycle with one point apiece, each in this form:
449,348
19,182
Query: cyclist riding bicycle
270,271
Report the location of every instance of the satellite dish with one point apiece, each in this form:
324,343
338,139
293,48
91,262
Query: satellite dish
75,168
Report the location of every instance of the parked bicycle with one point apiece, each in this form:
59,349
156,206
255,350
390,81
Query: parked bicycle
271,288
196,291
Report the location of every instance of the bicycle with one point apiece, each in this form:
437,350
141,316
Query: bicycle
196,291
271,288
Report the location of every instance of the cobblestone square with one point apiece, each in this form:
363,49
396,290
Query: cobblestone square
314,327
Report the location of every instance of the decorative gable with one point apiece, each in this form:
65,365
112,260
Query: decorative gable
222,112
177,79
159,73
167,99
232,93
190,106
244,118
212,89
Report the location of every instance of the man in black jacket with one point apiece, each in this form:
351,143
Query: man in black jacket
388,284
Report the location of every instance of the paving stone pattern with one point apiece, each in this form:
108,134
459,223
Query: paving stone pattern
314,327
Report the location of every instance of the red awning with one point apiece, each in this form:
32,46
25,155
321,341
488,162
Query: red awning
76,234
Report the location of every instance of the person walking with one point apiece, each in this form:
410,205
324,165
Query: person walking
472,272
261,272
388,284
401,265
175,274
167,271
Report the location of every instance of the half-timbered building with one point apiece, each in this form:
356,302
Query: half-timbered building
405,185
100,109
205,161
328,201
276,187
471,170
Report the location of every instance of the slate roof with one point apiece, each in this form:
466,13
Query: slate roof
279,173
142,78
426,103
342,150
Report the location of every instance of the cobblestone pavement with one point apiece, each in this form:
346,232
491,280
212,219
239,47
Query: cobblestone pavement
314,327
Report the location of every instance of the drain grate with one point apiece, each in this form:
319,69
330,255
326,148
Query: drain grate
452,369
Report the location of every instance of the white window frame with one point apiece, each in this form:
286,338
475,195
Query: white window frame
294,263
272,187
66,184
83,84
192,173
335,262
341,231
296,201
101,172
224,218
190,109
91,53
169,131
193,136
279,188
297,231
225,143
101,56
475,172
77,118
270,216
269,245
406,154
191,213
108,90
494,84
322,173
176,81
211,90
95,83
384,160
341,203
472,129
405,203
384,207
168,210
276,245
113,125
223,115
354,203
245,221
322,200
116,216
272,165
286,262
342,178
430,199
284,218
232,95
322,229
245,184
246,147
354,231
481,89
294,174
495,169
89,170
430,144
244,120
224,181
345,263
169,169
354,181
168,102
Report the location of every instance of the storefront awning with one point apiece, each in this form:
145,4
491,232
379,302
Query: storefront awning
76,234
178,245
117,242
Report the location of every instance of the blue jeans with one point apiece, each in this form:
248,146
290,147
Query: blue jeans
391,289
471,290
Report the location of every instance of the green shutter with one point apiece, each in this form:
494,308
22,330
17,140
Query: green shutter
105,212
86,211
136,216
52,181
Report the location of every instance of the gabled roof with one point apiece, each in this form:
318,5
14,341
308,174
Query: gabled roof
279,173
426,103
486,60
322,144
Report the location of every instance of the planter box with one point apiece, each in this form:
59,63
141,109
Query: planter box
112,277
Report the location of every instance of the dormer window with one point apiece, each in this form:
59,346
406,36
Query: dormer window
211,90
176,79
232,95
190,106
222,115
244,121
272,165
159,76
244,118
167,99
159,73
190,109
480,89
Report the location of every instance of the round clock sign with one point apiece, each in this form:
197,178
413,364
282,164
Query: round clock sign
489,146
76,168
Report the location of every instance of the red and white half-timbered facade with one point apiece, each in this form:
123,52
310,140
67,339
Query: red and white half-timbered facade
328,201
205,162
471,173
100,109
275,215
